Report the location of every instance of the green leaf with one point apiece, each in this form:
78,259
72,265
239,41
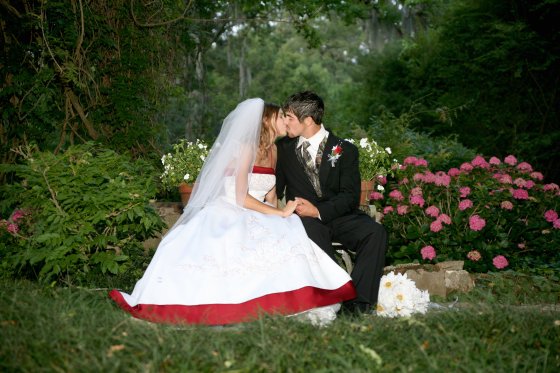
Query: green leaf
47,237
412,232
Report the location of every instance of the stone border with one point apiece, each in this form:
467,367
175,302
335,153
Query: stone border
439,279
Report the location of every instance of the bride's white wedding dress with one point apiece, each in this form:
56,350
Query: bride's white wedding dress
228,265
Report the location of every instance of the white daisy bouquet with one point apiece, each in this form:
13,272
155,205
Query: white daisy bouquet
399,296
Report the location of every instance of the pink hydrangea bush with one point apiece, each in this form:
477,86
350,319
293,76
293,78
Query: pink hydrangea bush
14,223
13,230
493,213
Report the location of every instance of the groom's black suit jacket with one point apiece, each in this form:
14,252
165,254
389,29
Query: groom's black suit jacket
340,184
341,219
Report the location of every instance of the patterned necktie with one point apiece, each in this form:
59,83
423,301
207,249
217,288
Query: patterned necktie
310,168
309,161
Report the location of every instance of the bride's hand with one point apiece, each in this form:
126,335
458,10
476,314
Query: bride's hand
289,208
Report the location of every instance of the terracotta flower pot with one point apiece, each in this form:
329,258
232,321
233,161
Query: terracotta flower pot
367,188
185,191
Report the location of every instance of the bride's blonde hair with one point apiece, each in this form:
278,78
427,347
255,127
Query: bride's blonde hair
268,129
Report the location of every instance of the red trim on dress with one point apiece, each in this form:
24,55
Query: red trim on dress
263,170
256,170
284,303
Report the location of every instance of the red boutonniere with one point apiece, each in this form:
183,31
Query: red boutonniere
336,152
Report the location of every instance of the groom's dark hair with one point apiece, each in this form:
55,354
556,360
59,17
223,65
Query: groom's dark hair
305,104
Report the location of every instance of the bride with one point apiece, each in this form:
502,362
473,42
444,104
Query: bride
233,254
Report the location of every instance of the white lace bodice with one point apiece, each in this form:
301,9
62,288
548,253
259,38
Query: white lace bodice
259,184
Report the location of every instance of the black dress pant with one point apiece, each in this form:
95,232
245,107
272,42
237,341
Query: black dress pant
363,236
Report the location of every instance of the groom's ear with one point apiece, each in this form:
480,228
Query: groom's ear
308,122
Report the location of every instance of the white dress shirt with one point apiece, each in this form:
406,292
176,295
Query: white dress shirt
314,141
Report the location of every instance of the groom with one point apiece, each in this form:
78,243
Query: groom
321,171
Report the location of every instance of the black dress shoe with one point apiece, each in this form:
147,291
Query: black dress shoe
356,308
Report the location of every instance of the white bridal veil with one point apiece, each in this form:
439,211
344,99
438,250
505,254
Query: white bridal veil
226,169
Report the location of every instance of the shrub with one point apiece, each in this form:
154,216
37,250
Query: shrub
85,212
184,164
492,214
441,152
374,160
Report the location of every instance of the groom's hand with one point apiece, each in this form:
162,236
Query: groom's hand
306,209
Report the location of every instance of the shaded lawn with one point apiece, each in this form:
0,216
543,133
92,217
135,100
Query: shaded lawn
510,322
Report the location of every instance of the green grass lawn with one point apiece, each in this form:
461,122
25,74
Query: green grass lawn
509,323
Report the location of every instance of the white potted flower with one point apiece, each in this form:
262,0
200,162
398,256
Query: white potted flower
182,166
375,164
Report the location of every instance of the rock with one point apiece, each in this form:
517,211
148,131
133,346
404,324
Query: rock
402,268
458,281
169,212
440,279
434,282
455,265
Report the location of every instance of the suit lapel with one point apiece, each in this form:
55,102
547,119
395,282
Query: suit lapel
299,167
293,151
295,158
326,166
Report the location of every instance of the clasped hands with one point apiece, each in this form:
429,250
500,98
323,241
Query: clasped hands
302,207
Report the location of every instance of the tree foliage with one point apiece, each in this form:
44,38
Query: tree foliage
79,71
137,75
85,213
487,71
120,72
